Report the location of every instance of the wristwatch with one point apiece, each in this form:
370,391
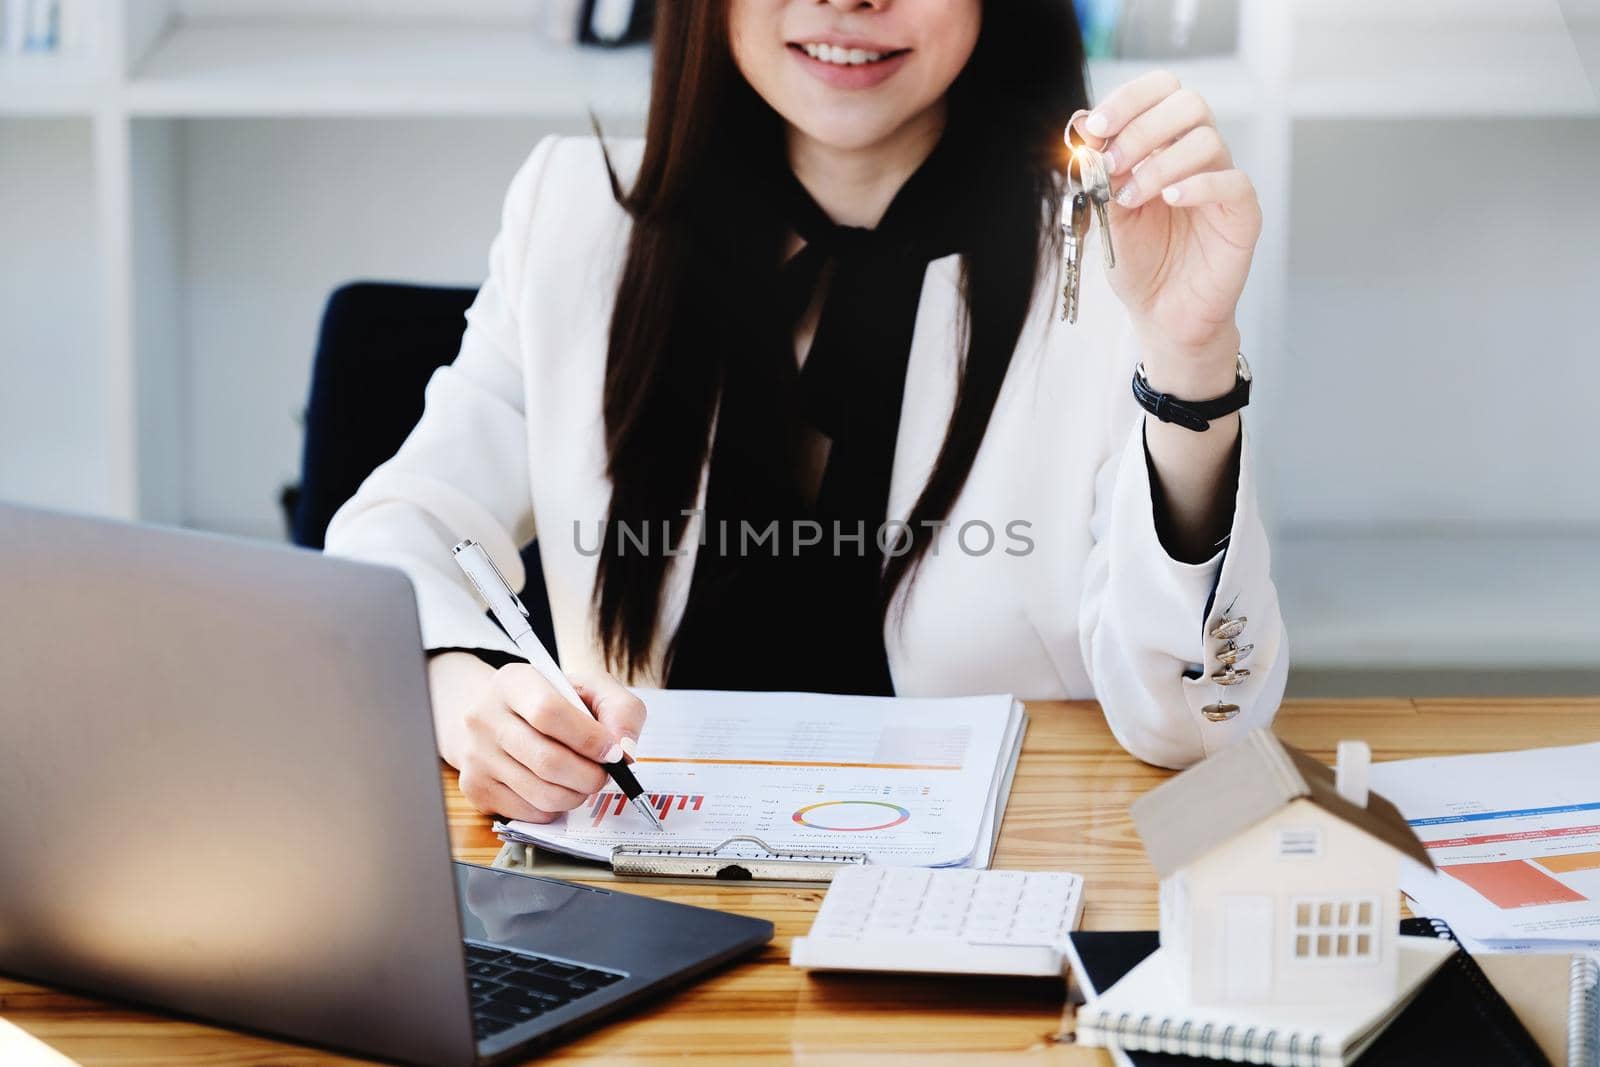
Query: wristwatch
1192,414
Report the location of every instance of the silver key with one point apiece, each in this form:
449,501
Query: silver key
1097,183
1074,235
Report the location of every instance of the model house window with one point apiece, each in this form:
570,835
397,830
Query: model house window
1335,928
1295,844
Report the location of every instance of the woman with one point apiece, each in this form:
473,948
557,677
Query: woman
783,392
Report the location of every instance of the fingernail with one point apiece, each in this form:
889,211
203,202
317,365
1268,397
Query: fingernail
1171,194
630,746
1096,124
1128,194
613,755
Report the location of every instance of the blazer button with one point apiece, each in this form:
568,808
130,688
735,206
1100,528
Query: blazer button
1228,629
1231,675
1230,653
1220,712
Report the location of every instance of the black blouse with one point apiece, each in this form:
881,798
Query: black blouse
786,591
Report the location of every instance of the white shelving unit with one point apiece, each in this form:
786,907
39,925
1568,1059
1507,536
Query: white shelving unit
229,69
225,163
1443,59
39,85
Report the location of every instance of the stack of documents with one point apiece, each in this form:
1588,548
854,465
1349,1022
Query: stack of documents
1516,839
909,782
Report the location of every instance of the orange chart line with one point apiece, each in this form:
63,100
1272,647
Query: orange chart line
804,763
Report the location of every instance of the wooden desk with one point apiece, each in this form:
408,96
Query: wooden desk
1068,810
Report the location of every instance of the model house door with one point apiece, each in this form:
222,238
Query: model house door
1246,947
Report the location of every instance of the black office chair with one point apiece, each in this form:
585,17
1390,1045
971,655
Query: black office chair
379,344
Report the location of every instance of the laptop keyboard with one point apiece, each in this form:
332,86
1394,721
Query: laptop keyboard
513,987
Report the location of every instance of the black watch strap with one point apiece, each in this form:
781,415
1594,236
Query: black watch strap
1192,414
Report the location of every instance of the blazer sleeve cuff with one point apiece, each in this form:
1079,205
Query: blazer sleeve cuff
1158,613
390,533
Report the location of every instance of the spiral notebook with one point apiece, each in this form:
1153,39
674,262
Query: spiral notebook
1456,1016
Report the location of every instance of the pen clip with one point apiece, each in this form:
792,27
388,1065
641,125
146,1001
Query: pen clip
469,545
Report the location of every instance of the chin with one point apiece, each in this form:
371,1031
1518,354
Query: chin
849,123
849,132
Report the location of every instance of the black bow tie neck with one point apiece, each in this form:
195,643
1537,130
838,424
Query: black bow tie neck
808,618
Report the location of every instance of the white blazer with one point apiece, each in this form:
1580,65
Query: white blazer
511,445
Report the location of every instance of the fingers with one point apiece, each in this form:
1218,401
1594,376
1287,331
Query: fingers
494,797
533,754
1201,149
1212,187
1128,101
1165,122
1164,137
541,707
543,774
543,771
613,705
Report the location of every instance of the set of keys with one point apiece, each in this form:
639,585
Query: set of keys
1088,190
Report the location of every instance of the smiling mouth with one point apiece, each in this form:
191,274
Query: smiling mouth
846,57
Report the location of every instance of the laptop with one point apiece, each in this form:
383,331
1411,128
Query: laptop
220,796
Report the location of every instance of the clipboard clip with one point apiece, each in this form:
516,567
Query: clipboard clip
738,859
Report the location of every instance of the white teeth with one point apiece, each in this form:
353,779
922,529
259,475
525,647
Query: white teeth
844,57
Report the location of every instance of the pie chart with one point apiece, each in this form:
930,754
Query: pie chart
850,815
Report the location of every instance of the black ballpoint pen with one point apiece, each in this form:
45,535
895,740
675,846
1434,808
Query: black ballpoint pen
513,618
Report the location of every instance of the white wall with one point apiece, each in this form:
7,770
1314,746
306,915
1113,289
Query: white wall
53,403
278,214
1444,327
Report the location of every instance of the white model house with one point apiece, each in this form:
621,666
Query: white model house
1279,876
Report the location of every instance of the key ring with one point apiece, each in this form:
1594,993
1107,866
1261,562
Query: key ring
1074,138
1086,166
1074,143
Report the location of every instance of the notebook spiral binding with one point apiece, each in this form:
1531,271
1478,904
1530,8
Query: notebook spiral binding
1583,1021
1146,1033
1441,929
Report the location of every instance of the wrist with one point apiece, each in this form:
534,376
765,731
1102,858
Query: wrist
1191,371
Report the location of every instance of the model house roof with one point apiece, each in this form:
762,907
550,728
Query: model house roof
1224,795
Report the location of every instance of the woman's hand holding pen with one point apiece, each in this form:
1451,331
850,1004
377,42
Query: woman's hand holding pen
524,752
1185,221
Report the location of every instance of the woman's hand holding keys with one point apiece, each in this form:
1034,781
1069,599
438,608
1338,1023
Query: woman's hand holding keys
524,752
1186,221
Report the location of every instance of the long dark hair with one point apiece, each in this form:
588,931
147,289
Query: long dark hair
704,232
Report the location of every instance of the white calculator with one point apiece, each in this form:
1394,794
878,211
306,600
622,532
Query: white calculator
910,919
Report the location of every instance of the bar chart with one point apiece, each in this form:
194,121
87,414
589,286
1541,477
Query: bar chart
611,804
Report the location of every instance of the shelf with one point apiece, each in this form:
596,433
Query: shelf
1527,68
220,67
311,68
40,85
1510,600
237,67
